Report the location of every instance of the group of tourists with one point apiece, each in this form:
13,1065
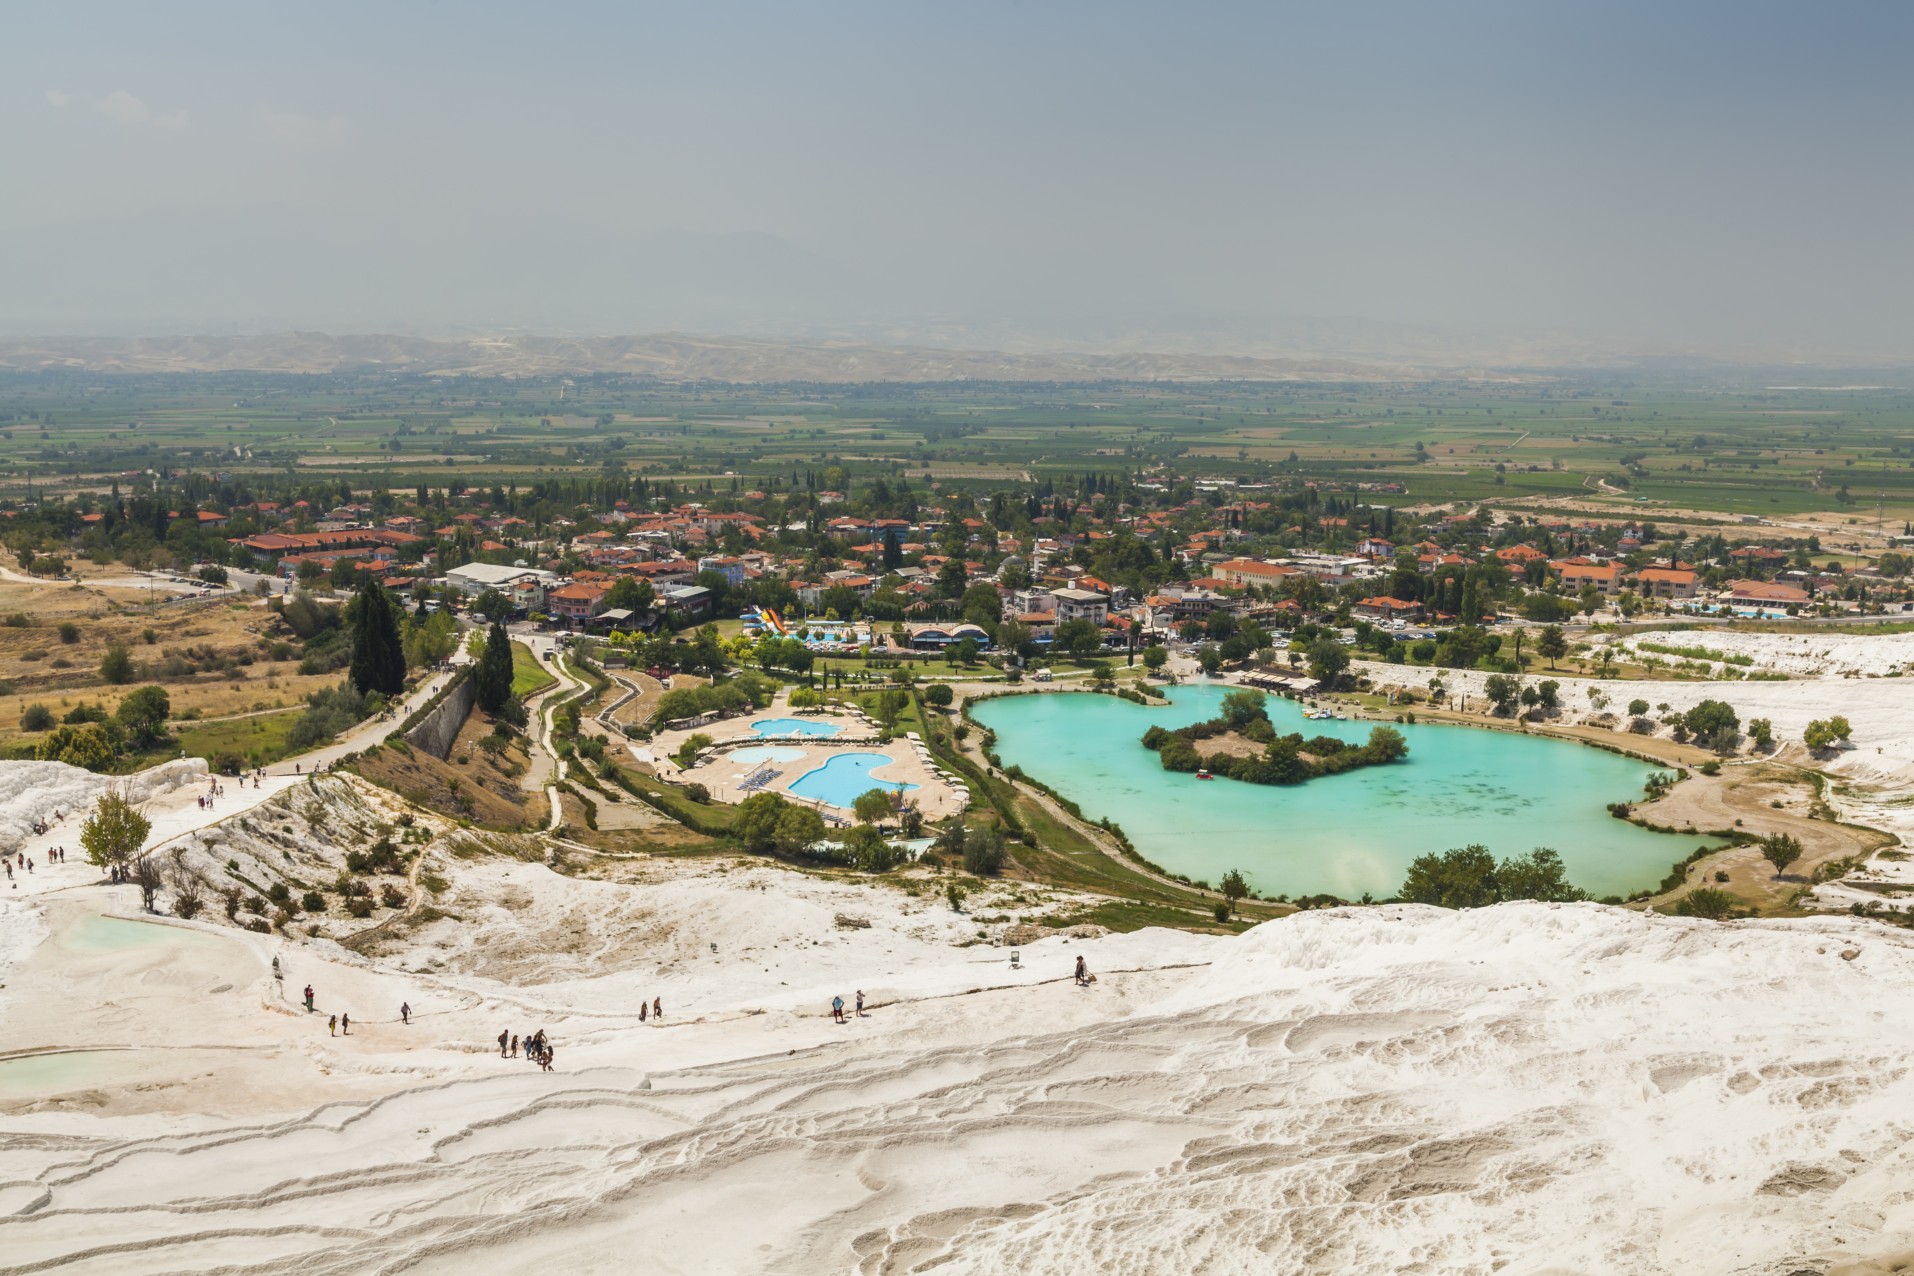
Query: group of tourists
537,1049
657,1009
837,1008
24,862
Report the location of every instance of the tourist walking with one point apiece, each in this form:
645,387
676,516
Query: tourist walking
345,1025
501,1048
860,1003
1083,971
658,1009
308,998
332,1026
405,1012
501,1044
644,1008
837,1010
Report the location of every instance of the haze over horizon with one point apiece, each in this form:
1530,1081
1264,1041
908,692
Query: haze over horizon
1486,181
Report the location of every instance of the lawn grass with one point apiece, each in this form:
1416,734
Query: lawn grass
260,739
529,674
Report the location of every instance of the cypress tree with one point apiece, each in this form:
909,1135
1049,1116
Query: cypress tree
378,655
495,670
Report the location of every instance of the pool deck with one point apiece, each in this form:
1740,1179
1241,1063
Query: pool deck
720,771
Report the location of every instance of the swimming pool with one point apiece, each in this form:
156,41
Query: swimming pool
794,726
769,753
840,781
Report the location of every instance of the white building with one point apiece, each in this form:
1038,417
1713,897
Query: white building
475,578
1081,604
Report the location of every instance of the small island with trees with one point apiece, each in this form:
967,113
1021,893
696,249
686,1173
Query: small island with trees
1244,746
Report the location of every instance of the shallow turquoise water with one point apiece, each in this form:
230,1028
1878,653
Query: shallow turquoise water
110,934
793,726
840,781
1345,834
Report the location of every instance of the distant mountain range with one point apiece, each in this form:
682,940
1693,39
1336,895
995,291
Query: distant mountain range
672,357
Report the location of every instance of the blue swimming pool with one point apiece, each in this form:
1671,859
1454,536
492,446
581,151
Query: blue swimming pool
840,781
766,753
793,726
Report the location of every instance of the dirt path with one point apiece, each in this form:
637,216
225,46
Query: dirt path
1757,799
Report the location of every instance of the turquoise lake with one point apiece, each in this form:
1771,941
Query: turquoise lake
1342,835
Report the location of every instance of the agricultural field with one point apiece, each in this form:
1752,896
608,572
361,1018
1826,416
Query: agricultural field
1620,440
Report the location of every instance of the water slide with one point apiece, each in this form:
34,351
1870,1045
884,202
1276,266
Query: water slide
772,620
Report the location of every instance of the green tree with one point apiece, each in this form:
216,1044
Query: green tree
1552,644
378,652
492,605
694,744
1242,707
631,593
494,672
1155,657
1459,878
1710,718
984,851
756,823
87,746
1825,733
114,832
939,694
1328,660
1538,875
1760,731
867,849
1386,744
1502,691
799,829
872,805
143,712
1469,877
1234,889
1780,850
116,666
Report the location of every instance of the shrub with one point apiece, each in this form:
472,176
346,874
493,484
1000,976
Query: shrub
1705,901
69,632
312,902
117,665
984,851
391,896
37,718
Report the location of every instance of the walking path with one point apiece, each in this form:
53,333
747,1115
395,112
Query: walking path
177,814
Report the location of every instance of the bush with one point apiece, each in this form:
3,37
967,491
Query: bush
69,632
116,666
984,851
37,718
327,714
1705,901
391,896
1469,877
312,902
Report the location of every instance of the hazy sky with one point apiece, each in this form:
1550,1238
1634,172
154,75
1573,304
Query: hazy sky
1720,176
